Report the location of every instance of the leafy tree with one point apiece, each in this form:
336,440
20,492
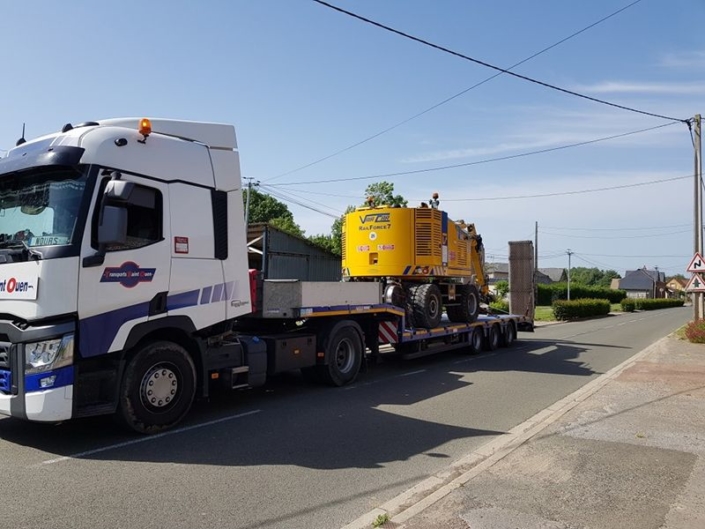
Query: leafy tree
502,288
265,208
382,194
592,277
607,277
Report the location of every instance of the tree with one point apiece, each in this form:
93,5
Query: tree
592,277
502,288
382,194
265,208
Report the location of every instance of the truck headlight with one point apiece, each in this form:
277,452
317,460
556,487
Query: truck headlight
48,354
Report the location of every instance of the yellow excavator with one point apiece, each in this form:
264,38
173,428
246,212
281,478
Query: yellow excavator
425,260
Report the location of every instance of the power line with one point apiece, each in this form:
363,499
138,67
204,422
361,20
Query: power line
650,235
478,162
617,229
295,195
298,203
563,193
640,256
451,98
496,68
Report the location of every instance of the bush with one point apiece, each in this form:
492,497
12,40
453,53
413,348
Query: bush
632,304
547,294
580,308
695,331
500,307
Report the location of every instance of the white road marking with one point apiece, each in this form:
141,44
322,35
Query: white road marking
144,439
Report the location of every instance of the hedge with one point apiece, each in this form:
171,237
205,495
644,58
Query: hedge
632,304
547,294
580,308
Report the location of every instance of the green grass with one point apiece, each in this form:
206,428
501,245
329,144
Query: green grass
545,312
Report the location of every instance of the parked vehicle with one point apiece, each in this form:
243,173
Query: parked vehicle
125,286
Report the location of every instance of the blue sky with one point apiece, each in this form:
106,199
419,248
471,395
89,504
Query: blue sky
301,82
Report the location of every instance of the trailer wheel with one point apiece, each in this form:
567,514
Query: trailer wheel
343,349
468,307
428,305
509,335
157,389
493,338
477,339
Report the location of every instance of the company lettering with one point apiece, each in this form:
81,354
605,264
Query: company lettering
12,285
375,217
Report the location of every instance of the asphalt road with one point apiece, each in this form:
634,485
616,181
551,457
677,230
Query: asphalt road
297,456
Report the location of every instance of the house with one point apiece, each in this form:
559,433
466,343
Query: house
554,275
643,283
676,287
496,272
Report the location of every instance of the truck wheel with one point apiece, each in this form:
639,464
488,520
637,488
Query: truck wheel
428,306
410,292
510,334
477,339
468,306
157,389
343,349
493,337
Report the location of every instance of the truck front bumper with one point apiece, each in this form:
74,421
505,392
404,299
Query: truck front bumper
45,396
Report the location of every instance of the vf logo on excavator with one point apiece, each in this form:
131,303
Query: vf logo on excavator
374,218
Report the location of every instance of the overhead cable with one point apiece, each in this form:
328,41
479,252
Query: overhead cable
496,68
478,162
451,98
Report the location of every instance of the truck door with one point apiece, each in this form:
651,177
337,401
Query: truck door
131,283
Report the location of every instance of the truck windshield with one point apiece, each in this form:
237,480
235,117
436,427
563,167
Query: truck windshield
40,207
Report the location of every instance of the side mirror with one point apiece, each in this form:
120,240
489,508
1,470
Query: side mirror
113,226
119,190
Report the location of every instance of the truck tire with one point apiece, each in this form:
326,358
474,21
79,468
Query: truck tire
509,335
477,341
343,349
410,292
157,389
492,340
428,306
468,307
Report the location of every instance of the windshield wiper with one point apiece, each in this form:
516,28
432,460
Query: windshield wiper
15,244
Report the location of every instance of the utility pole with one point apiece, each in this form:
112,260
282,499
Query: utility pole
536,247
247,201
569,254
698,173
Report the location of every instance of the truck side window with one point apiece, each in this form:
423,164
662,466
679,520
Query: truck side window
144,219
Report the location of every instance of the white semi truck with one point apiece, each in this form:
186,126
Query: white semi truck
125,287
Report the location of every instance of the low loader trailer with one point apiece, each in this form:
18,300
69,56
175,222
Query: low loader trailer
127,289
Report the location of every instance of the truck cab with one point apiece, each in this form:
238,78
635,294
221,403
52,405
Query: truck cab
117,235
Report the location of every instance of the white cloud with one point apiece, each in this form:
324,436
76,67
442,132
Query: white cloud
683,60
632,87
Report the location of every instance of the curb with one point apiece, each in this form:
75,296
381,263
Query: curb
414,500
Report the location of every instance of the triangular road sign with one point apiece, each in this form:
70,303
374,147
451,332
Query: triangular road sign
697,264
696,284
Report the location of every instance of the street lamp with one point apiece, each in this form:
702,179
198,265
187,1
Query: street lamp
569,254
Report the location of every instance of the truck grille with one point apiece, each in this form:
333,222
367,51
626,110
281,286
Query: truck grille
5,373
5,381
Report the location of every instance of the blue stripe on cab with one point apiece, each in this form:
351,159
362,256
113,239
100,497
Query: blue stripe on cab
98,332
185,299
64,377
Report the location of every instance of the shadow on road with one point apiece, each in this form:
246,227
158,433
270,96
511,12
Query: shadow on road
310,426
